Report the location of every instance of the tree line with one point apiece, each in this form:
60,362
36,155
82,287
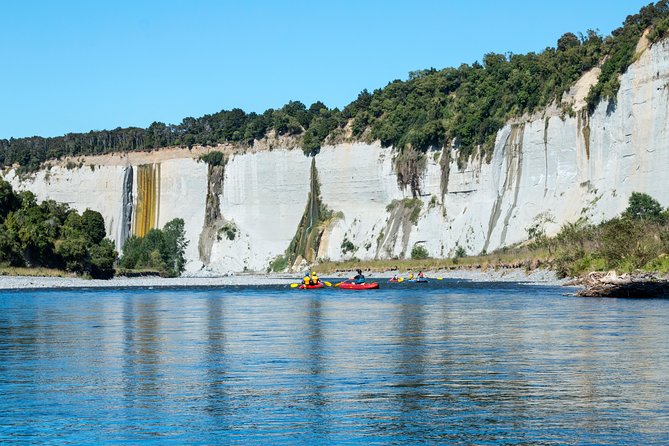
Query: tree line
50,234
465,105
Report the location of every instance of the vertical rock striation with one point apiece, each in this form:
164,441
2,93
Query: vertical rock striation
125,220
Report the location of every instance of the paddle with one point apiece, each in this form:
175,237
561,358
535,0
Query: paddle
344,281
295,285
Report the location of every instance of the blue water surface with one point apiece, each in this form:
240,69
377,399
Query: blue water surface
444,363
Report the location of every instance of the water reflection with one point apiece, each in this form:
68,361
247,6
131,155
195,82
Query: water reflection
458,363
214,362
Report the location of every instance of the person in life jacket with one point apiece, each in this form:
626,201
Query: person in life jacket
395,278
421,275
314,278
307,279
359,278
410,275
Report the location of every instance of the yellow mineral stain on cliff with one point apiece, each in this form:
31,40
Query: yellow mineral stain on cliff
148,199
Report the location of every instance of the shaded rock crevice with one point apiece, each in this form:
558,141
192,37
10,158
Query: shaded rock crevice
314,223
125,222
213,219
513,155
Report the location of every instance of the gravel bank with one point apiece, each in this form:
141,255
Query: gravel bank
540,277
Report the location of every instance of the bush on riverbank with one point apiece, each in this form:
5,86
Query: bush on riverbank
159,250
51,235
638,239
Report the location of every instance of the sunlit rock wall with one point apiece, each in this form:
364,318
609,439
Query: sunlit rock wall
545,170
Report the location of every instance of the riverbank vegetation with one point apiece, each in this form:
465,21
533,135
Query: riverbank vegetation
636,240
51,235
466,105
160,251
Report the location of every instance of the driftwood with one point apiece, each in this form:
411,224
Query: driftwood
638,285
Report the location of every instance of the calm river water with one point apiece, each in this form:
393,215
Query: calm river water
450,362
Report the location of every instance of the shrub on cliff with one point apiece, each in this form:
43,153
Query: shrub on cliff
419,252
214,158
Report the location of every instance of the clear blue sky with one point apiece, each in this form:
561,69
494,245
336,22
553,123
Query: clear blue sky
72,66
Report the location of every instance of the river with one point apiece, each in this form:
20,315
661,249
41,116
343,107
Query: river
449,362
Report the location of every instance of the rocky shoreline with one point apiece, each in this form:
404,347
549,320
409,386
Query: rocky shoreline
638,285
538,277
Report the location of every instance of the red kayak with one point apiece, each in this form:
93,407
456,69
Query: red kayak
359,286
312,287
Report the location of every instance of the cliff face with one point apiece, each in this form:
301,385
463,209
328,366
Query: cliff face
546,169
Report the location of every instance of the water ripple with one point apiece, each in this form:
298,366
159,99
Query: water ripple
454,362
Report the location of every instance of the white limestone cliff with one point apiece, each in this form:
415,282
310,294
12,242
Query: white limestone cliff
546,169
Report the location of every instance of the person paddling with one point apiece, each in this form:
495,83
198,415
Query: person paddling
307,279
410,275
314,278
421,275
359,278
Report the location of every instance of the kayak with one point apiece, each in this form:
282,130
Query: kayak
359,286
312,287
420,280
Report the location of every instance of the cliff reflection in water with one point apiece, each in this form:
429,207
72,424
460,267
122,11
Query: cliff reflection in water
469,363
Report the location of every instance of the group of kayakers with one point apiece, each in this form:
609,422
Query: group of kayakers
312,279
420,275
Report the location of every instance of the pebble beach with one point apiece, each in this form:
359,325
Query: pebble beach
538,276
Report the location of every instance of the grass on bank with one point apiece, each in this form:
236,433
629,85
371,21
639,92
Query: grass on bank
514,257
34,272
636,240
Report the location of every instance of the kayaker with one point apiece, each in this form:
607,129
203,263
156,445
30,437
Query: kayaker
395,278
410,275
359,278
421,275
307,279
314,278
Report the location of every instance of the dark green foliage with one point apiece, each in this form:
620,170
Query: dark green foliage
619,48
459,252
9,201
214,158
53,235
643,207
160,250
93,226
280,263
226,126
230,231
347,246
638,239
418,252
465,106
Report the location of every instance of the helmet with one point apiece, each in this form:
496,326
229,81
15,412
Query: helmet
306,274
313,273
